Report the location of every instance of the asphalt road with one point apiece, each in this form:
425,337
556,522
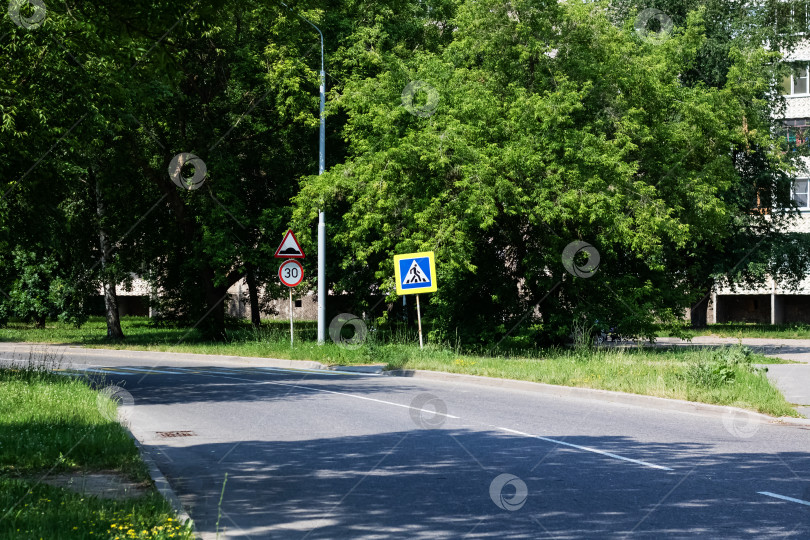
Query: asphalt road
310,454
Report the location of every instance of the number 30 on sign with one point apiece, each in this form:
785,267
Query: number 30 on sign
291,273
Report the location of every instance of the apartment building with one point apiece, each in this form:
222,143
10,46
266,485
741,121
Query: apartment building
772,302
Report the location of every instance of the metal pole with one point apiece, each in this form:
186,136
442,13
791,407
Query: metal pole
321,277
291,320
321,216
419,318
322,138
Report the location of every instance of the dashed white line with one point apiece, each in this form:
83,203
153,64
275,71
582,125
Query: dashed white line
508,430
355,396
587,449
783,497
555,441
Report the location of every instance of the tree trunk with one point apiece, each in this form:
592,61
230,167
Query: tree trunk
108,283
214,324
111,311
255,316
212,321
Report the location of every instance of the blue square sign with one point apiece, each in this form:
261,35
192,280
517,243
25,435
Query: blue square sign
415,273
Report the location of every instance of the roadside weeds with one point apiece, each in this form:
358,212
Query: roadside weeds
58,428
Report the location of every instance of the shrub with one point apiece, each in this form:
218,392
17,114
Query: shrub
721,367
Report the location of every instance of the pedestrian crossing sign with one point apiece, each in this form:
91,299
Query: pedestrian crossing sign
415,273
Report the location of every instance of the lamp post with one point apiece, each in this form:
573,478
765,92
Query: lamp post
321,214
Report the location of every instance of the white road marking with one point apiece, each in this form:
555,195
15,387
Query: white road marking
508,430
783,497
347,395
587,449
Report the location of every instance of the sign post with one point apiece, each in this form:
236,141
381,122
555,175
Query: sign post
419,319
291,273
416,273
291,319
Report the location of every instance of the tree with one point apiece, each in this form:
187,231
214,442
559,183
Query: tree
42,215
576,130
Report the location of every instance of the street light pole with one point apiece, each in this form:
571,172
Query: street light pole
321,214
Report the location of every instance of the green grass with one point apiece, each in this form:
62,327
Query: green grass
671,373
54,424
752,330
652,372
50,512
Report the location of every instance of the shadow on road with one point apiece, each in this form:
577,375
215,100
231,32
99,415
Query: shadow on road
436,484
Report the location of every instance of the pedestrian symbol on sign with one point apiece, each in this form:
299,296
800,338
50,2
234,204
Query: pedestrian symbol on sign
415,275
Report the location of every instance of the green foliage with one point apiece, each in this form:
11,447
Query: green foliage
40,290
537,124
577,129
722,367
31,293
639,370
710,374
50,423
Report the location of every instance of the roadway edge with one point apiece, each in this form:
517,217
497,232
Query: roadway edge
162,483
592,393
551,389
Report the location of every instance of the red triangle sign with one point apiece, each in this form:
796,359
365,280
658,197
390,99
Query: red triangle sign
289,248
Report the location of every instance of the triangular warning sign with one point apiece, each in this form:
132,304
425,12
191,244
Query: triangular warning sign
289,248
415,275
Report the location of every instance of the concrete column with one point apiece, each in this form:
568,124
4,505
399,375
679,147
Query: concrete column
777,309
153,297
777,306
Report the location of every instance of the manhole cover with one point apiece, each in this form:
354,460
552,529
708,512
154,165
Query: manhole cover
167,434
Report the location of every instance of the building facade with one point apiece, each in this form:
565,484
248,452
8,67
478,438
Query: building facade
773,303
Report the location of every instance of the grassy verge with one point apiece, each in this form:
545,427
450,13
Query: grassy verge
724,377
51,424
708,376
752,330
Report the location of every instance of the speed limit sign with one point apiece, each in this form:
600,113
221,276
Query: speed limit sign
291,273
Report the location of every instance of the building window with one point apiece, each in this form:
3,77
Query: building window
800,194
795,84
297,303
796,131
789,16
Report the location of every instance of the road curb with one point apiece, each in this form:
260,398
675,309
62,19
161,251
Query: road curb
369,370
550,389
161,483
70,350
610,396
253,361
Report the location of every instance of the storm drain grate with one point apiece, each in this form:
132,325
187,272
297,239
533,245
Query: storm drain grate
167,434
